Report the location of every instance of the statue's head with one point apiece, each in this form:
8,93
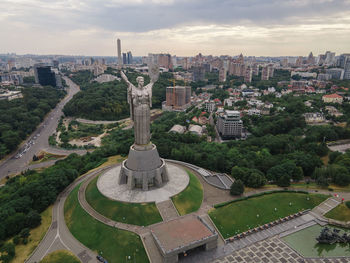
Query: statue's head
140,81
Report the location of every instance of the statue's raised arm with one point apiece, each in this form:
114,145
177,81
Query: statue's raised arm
124,77
129,93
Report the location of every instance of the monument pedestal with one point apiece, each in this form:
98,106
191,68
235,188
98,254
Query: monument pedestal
143,168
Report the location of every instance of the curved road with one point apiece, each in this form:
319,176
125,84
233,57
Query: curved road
40,137
58,235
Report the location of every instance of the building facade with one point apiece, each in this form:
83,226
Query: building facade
229,124
44,76
332,98
178,97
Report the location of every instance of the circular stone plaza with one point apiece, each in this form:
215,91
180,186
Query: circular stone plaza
108,185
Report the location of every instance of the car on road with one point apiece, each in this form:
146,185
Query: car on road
101,259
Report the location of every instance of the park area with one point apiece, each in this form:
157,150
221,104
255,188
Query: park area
115,244
239,216
190,199
141,214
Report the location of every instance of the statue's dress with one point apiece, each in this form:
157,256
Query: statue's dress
141,103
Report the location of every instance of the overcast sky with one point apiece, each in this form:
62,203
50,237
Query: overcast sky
180,27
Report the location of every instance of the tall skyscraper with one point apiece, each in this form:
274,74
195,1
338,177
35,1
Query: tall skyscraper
124,59
119,47
129,57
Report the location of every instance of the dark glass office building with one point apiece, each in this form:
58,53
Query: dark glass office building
44,76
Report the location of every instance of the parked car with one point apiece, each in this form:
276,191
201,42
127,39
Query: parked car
100,258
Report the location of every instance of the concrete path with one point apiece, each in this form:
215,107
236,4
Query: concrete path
167,210
272,250
151,248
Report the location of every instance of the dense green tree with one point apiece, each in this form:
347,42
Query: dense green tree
284,180
237,188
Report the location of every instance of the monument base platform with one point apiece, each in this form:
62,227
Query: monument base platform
108,185
144,168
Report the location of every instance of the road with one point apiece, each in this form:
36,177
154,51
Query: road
58,236
39,138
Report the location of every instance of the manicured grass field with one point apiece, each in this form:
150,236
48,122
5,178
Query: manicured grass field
190,199
243,215
116,245
341,213
136,214
60,256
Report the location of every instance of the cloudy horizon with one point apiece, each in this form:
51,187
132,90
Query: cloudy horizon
178,27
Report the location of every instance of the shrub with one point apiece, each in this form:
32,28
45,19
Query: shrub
237,188
347,203
16,240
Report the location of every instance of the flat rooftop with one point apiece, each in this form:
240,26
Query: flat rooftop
180,232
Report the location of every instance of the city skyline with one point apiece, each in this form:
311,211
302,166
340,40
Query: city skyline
184,28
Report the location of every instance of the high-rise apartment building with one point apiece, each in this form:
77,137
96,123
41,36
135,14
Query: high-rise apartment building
164,60
265,73
248,74
178,97
255,69
119,49
198,73
311,59
229,124
222,74
330,58
271,70
344,63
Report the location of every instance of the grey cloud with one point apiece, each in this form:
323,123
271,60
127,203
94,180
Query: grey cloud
144,16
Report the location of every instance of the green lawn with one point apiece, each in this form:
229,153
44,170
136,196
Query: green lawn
136,214
243,215
115,244
341,213
60,256
191,198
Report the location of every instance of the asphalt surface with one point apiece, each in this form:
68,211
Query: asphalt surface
38,140
58,236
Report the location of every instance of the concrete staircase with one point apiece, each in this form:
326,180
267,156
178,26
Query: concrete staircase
325,206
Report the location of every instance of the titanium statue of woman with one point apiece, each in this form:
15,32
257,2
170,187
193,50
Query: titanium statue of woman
140,100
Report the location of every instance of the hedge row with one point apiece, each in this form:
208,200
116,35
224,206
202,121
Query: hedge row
259,194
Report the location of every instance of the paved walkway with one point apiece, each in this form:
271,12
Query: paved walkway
167,210
326,206
151,248
272,250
